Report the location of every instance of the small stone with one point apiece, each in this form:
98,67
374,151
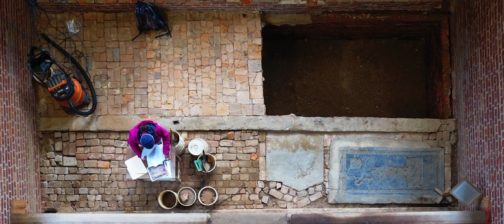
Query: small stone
288,197
91,197
50,155
272,184
69,161
260,184
266,189
302,193
257,190
311,190
278,186
316,196
58,146
103,164
230,191
184,196
303,202
72,197
284,189
254,197
265,199
282,204
276,194
318,188
226,143
292,192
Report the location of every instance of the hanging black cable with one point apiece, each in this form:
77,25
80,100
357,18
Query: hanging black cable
83,74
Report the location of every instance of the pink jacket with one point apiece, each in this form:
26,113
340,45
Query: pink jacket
160,133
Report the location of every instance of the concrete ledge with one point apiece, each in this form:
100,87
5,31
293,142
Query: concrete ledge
266,216
262,123
180,218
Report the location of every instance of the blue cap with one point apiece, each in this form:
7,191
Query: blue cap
147,141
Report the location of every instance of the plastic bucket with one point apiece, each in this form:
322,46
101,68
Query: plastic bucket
177,143
210,160
208,196
187,196
197,146
168,199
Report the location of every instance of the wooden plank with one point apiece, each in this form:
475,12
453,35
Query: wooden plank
331,5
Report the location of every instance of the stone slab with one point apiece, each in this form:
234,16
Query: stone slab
296,160
268,123
370,171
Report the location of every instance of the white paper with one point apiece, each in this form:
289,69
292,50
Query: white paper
135,167
154,156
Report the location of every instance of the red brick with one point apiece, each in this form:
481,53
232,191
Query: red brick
479,97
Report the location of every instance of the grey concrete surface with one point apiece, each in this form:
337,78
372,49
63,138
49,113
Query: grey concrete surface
267,123
374,170
296,160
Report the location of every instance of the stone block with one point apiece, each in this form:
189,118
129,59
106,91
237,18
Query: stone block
260,184
90,163
316,196
58,146
284,189
276,194
69,161
303,202
254,66
265,199
254,197
72,177
282,204
287,197
380,167
103,164
227,143
295,159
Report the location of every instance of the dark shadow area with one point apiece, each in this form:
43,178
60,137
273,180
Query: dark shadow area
323,70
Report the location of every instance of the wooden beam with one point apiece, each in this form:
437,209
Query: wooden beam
329,6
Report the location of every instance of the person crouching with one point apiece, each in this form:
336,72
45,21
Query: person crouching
150,142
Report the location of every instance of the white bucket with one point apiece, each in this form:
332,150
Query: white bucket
168,199
203,201
197,146
177,143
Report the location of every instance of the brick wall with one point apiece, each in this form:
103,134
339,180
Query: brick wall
477,33
18,144
211,65
85,171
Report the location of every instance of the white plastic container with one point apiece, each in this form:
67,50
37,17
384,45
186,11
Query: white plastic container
197,146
